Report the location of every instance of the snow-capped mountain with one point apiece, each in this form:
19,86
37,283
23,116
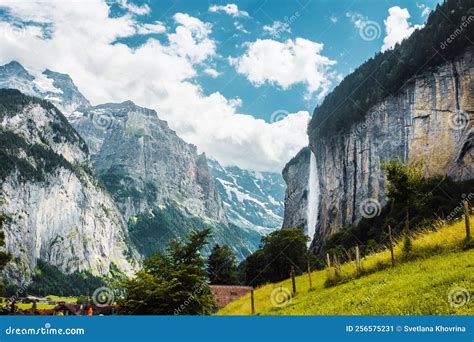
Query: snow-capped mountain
253,200
57,88
162,187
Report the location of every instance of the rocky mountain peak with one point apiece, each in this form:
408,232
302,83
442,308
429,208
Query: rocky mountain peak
55,87
56,209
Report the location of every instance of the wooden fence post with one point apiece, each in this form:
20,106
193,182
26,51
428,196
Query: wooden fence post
328,261
309,276
252,302
336,265
467,220
357,258
391,244
293,280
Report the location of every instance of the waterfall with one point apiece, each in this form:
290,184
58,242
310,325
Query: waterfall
313,198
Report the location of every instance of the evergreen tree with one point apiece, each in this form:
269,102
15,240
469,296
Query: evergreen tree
406,186
280,250
170,283
222,267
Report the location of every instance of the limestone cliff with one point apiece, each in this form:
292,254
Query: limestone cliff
56,208
296,175
430,120
144,163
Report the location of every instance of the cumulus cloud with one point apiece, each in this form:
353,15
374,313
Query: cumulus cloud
191,38
84,42
285,64
397,27
230,9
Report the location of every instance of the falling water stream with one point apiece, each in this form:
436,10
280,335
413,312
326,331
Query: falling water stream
313,198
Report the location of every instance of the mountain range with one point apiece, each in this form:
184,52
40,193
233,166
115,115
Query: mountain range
101,187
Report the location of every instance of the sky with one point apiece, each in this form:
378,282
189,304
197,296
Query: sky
239,79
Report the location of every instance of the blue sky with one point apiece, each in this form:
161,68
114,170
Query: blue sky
239,79
324,21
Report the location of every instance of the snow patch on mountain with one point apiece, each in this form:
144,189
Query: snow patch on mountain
253,200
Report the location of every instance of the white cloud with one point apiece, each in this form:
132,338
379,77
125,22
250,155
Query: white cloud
285,64
357,19
191,38
239,27
277,28
156,27
83,43
397,27
230,9
333,19
425,10
211,72
135,9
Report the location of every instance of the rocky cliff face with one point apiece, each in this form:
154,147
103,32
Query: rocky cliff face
251,199
162,187
296,175
59,89
144,163
56,209
430,120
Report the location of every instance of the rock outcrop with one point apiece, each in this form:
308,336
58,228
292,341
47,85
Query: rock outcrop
57,88
429,120
56,208
296,176
143,163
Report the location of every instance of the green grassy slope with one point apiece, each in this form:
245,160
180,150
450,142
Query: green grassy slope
437,278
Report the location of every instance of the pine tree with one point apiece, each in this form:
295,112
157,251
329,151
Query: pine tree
222,267
170,283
